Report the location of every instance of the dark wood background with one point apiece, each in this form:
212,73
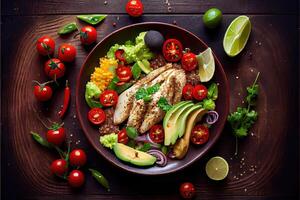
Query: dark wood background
268,163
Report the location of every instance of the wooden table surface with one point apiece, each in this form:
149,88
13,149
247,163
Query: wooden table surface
267,166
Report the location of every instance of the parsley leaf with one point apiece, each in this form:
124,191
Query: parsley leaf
145,93
164,104
212,91
131,132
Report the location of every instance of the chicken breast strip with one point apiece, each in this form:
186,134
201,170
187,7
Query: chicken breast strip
179,83
125,100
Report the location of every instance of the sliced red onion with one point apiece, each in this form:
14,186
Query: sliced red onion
211,117
160,156
171,155
146,138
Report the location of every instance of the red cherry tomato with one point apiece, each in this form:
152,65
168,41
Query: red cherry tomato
199,92
96,116
42,92
122,136
189,62
172,50
54,68
77,157
187,190
200,134
134,8
109,98
187,92
45,45
124,73
76,178
88,35
66,52
56,136
157,133
59,167
119,54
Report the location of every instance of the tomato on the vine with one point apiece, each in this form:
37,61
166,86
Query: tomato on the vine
187,92
124,73
66,52
109,98
189,61
200,134
187,190
119,54
42,91
88,35
77,157
122,136
172,50
54,68
96,116
45,45
56,134
200,92
134,8
59,167
157,133
76,178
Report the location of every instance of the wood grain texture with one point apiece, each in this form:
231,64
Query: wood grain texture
266,168
35,7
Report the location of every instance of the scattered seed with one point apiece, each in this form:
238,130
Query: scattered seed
114,24
237,77
118,18
74,116
245,189
174,22
169,9
105,3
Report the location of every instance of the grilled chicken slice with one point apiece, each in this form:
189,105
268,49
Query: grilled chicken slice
125,100
180,82
154,113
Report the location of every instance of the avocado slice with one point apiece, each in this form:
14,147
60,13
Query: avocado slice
145,66
133,156
170,125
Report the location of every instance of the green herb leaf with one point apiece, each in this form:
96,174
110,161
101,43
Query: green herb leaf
164,104
40,140
131,132
131,143
146,93
146,147
122,88
141,93
100,178
164,149
209,104
112,85
153,89
136,71
212,92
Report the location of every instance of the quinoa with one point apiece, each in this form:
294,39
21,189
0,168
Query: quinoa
193,77
158,62
108,126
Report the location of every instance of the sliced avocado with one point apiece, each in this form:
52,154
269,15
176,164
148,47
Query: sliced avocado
133,156
170,127
173,109
145,66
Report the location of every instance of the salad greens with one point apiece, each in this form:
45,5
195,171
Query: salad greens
133,51
212,94
136,71
109,140
92,92
131,132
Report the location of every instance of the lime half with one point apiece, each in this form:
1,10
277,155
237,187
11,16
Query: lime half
237,35
217,168
206,64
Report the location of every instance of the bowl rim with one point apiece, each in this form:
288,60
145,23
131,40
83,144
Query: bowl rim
135,171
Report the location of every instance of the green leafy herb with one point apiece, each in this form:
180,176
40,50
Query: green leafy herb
212,91
131,132
164,104
112,85
153,89
164,149
209,104
145,93
145,147
136,71
243,118
122,88
131,143
100,178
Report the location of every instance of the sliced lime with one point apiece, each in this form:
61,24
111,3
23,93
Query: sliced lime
217,168
206,64
237,35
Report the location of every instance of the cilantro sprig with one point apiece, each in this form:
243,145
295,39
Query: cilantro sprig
244,117
146,93
164,104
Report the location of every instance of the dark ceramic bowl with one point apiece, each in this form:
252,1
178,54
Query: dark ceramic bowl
188,39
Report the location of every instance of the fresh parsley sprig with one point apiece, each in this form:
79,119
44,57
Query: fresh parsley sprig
244,117
146,93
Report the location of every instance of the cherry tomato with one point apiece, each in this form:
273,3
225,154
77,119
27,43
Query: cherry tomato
187,190
109,98
200,134
56,136
199,92
134,8
119,54
189,61
66,52
124,73
157,133
76,178
88,35
96,116
122,136
77,157
59,167
172,50
54,68
187,92
45,45
42,92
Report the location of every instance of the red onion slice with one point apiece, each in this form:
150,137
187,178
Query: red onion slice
211,117
160,156
146,138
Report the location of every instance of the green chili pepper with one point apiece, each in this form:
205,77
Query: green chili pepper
68,28
92,19
100,178
40,140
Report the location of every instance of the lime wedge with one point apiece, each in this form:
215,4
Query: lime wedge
237,35
206,63
217,168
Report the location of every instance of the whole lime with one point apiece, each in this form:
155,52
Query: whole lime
212,17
